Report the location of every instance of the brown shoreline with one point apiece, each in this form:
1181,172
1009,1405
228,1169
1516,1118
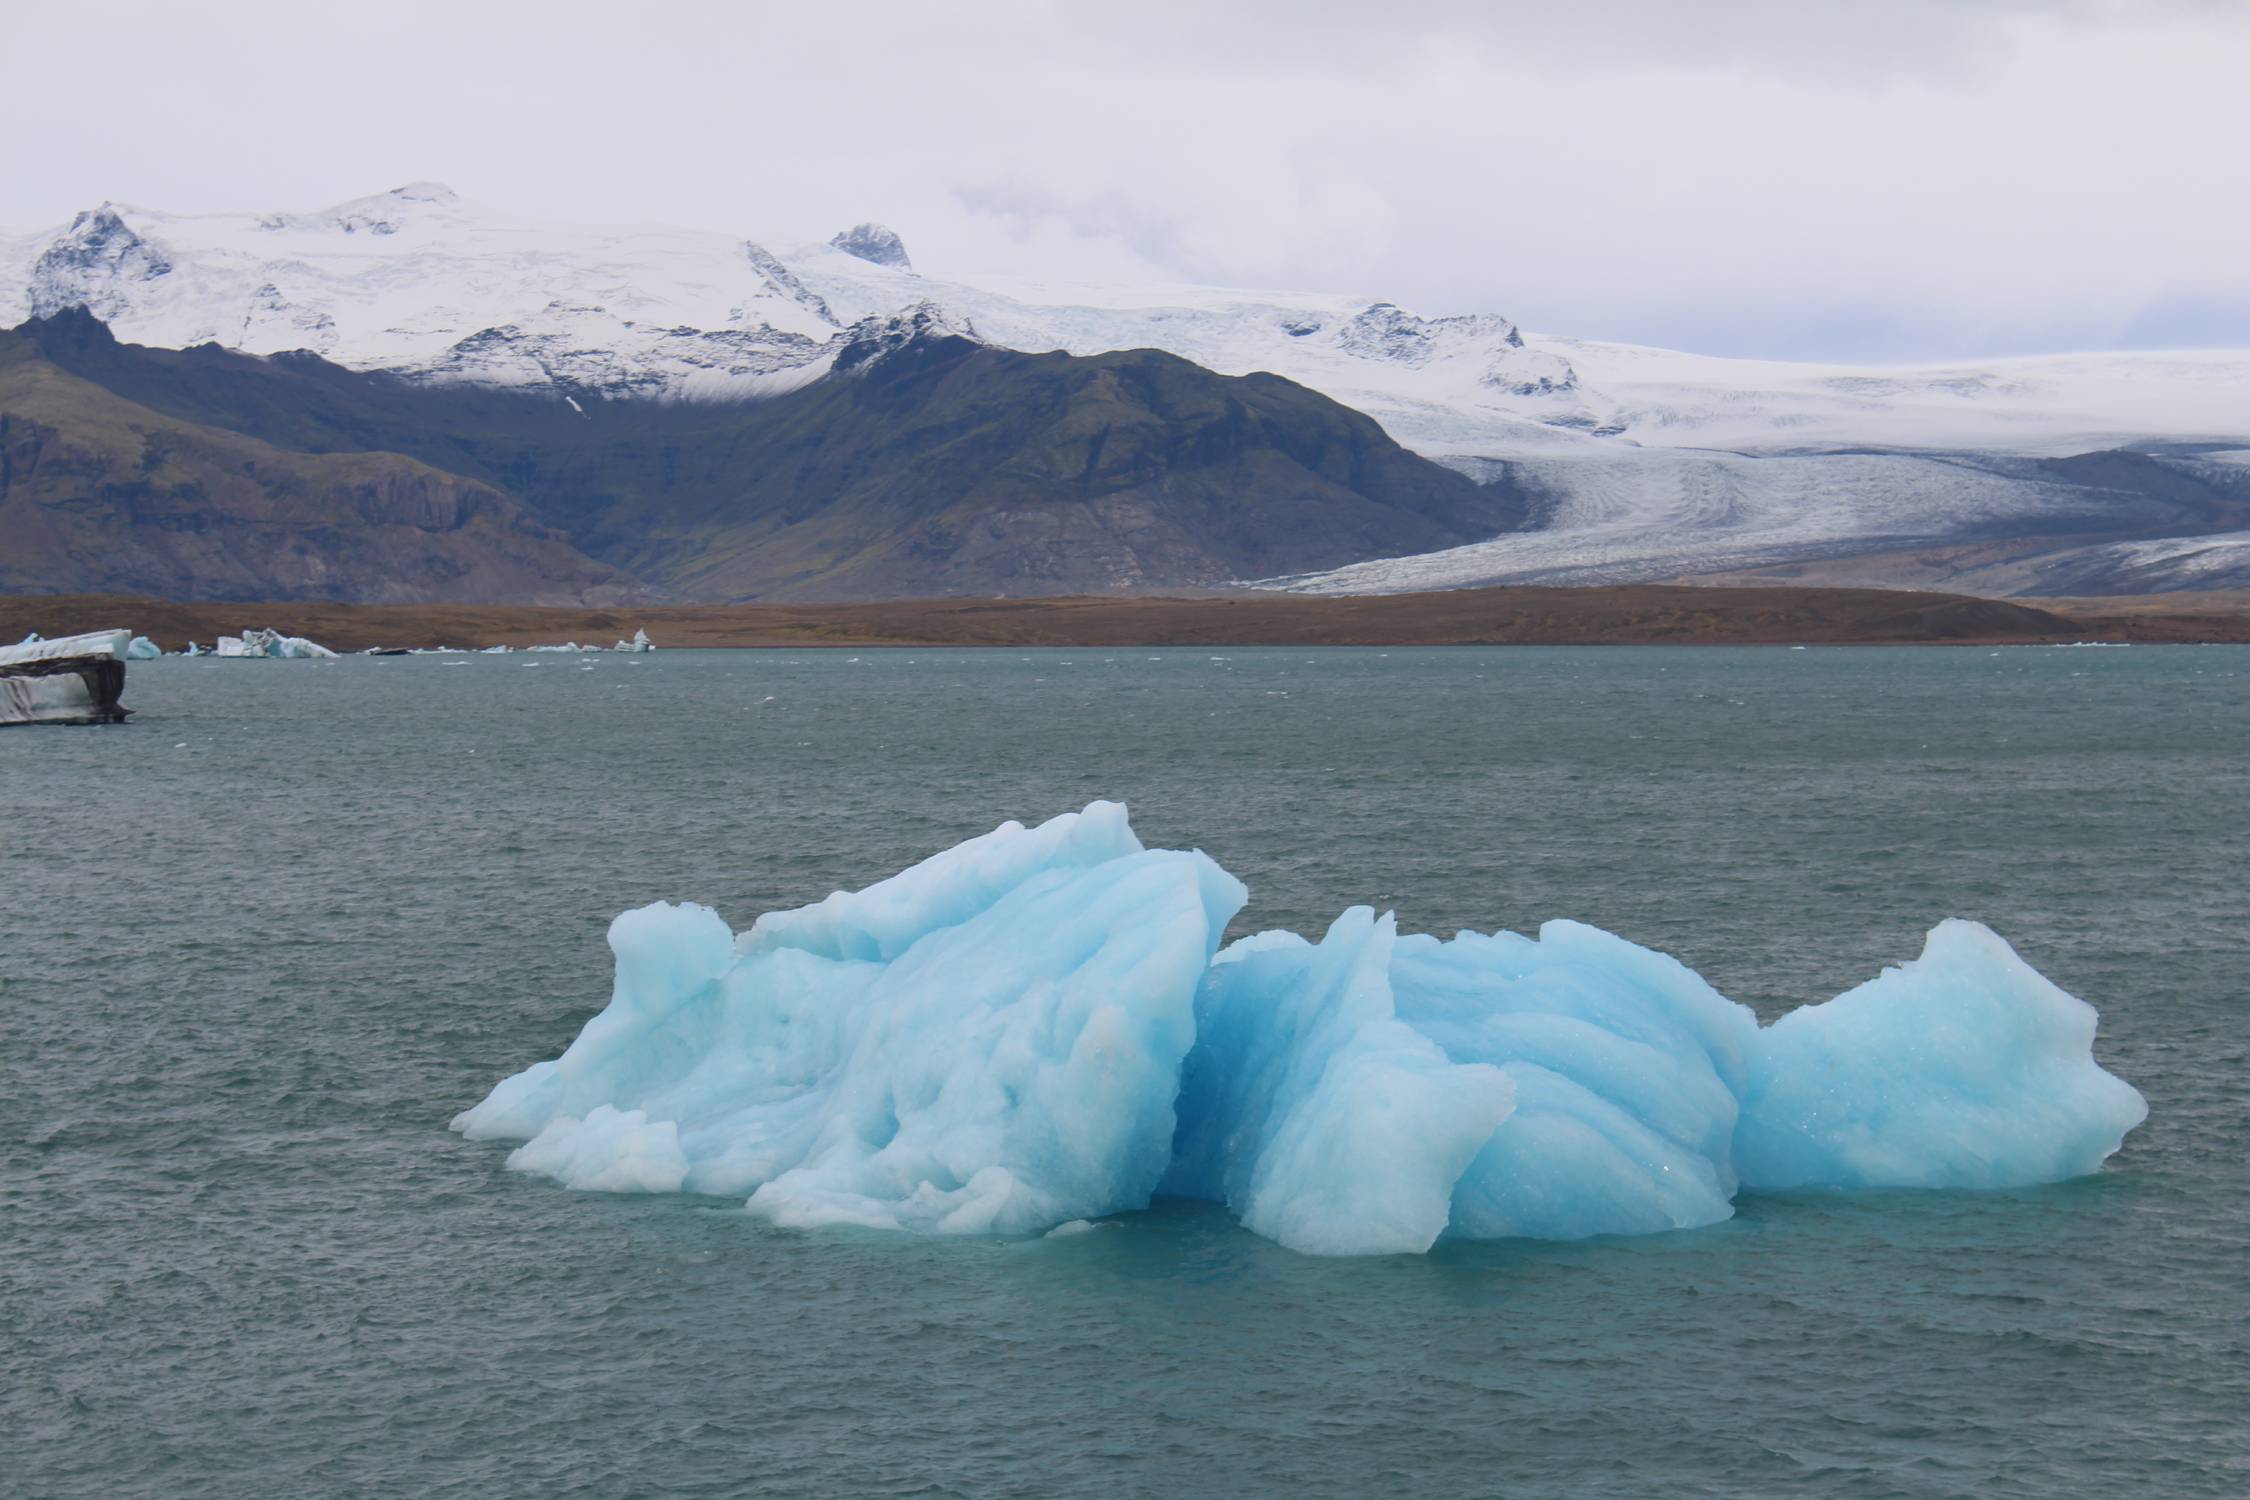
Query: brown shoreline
1629,615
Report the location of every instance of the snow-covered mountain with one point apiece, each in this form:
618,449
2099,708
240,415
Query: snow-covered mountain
415,280
1650,463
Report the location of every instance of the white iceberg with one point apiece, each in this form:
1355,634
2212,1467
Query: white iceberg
639,642
270,644
76,679
1035,1028
141,648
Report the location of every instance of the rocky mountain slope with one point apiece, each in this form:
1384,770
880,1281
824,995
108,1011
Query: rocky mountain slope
96,487
1642,463
922,462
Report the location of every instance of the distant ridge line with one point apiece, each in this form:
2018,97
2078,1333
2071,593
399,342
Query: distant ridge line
1528,616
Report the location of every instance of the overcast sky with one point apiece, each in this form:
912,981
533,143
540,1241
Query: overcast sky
1796,178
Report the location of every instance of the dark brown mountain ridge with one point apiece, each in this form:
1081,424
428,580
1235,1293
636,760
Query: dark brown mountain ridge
926,464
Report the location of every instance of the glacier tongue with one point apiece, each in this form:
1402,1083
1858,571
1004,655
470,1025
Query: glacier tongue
1036,1028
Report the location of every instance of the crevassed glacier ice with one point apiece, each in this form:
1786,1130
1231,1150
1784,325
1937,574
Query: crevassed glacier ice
1036,1028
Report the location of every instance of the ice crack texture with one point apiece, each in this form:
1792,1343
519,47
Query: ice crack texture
1038,1027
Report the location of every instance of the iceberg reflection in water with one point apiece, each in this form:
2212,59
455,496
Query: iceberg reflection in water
1038,1026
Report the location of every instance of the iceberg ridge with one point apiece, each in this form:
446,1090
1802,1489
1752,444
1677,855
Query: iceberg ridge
1037,1027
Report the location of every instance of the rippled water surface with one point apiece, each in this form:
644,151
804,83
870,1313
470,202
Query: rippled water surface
262,942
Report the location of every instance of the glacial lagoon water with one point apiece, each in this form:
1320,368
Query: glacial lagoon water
263,942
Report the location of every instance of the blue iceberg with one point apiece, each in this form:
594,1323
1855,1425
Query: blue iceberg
1309,1108
988,1042
1627,1069
1964,1068
1038,1027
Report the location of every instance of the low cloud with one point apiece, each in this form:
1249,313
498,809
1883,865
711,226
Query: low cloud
1766,176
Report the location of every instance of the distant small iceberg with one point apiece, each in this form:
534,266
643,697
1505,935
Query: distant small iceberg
143,649
639,643
270,645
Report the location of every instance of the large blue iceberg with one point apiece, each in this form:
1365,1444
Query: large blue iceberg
1039,1026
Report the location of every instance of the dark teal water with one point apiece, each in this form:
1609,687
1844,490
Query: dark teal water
261,943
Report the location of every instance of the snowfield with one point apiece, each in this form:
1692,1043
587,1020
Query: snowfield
419,280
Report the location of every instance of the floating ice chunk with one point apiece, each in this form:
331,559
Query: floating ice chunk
496,650
639,642
1032,1028
611,1150
989,1042
141,648
1963,1068
74,680
1308,1108
270,644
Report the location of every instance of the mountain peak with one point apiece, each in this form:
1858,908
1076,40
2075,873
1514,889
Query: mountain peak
875,244
872,338
91,263
69,327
